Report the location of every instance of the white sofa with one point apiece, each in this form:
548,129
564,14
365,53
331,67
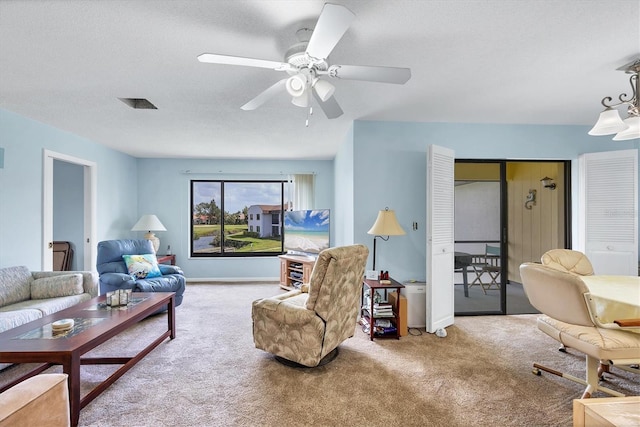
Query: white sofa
27,296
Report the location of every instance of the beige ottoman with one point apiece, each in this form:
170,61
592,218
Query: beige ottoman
42,400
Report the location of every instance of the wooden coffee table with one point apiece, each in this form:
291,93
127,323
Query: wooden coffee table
34,342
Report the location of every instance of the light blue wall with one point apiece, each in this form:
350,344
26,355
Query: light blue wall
21,186
163,190
343,193
390,171
68,208
380,164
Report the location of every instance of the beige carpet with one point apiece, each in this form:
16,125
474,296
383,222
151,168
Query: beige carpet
211,375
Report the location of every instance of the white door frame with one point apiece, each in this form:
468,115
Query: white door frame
90,208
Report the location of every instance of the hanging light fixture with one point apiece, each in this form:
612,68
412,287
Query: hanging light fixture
609,121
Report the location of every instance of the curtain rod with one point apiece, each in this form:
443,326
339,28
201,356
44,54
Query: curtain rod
192,172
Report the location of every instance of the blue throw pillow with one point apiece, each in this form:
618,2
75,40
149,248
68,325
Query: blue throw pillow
142,266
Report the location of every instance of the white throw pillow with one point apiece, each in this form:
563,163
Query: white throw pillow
63,285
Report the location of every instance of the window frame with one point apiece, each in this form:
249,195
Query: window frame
222,253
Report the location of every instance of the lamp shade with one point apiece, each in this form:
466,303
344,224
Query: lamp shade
386,224
148,223
632,132
609,122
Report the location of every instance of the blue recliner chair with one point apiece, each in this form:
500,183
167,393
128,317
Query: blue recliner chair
115,275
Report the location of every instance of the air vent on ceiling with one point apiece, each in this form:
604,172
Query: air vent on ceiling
139,103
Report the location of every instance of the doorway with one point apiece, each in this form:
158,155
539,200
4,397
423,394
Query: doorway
88,246
68,216
504,216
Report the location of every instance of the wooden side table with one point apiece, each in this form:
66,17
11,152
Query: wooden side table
606,411
375,285
163,259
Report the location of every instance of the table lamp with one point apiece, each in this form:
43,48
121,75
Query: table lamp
386,225
150,223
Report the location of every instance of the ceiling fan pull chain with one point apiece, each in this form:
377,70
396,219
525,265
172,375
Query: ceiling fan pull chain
309,114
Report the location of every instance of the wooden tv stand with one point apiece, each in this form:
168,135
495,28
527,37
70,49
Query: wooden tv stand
295,270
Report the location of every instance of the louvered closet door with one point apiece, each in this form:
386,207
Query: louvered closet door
440,237
608,215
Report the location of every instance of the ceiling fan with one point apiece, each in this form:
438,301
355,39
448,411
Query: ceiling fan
307,66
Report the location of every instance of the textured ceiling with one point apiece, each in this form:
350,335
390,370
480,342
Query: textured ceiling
66,63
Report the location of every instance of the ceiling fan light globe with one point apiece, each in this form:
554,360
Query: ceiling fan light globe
296,85
632,132
324,89
300,101
609,122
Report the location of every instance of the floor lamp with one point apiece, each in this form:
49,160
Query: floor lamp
386,225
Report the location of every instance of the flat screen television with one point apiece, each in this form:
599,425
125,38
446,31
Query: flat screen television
306,232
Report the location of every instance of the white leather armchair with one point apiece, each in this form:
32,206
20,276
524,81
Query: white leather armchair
562,298
568,260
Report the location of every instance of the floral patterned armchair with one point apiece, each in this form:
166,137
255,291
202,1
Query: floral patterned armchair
304,327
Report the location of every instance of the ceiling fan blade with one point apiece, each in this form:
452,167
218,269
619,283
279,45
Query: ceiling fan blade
264,96
333,22
214,58
370,73
330,107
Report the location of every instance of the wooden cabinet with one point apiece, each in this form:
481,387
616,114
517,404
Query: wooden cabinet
295,270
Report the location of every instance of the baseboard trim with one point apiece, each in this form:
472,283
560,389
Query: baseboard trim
239,280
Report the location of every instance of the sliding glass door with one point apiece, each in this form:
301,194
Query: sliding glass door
478,237
504,216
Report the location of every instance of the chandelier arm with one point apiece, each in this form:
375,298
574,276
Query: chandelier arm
631,100
607,99
624,101
634,93
633,81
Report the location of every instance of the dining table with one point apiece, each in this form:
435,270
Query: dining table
613,298
462,261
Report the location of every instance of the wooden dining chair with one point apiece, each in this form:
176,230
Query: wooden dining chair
62,256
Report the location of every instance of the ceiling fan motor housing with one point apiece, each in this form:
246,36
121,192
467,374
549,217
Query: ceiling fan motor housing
298,58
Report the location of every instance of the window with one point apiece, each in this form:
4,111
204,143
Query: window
223,215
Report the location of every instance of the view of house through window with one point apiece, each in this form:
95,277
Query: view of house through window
236,218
